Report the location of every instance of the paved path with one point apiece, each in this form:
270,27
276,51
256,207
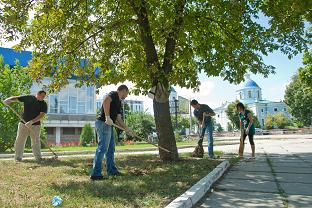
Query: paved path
281,176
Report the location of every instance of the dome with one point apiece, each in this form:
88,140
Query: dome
249,83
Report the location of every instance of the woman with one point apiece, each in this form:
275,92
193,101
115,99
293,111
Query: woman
247,128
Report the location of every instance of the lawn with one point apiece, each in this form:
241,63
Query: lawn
147,182
137,145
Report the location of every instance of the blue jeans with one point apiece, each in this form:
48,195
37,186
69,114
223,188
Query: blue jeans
208,128
106,146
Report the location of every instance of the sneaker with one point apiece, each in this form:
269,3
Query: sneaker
18,159
97,178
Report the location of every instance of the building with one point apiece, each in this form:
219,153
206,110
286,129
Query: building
251,95
68,110
134,105
173,101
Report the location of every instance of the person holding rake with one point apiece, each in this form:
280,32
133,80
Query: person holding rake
35,108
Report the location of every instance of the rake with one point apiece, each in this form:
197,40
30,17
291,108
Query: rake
31,131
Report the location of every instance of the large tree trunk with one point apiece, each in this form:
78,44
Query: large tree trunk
164,128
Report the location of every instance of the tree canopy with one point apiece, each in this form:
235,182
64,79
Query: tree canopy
149,41
298,94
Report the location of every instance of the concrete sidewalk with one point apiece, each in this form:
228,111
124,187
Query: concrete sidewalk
281,176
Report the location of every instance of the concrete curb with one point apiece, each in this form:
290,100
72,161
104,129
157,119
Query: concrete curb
197,191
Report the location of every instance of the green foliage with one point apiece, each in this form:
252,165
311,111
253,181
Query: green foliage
14,81
230,127
278,120
305,73
298,94
87,135
141,123
232,114
218,127
183,122
148,41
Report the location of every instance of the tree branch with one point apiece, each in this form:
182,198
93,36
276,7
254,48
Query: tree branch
172,36
146,37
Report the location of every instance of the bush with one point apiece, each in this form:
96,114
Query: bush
87,135
278,120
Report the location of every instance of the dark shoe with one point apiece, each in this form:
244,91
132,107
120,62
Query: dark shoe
18,159
97,178
115,174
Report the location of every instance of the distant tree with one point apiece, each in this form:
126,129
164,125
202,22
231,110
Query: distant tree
13,81
298,94
278,120
87,135
141,123
232,115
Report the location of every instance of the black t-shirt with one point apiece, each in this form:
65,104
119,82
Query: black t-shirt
115,107
32,107
199,113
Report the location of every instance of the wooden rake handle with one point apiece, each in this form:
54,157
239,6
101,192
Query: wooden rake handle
164,149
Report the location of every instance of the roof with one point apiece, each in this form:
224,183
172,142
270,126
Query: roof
250,84
10,56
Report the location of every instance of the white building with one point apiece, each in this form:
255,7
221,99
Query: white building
251,95
68,111
134,105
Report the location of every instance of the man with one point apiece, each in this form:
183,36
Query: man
110,113
247,128
204,113
35,108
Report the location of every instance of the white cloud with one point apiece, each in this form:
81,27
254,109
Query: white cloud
204,95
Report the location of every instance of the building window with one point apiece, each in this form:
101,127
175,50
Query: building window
63,107
275,109
50,130
53,103
90,99
262,110
68,131
285,109
249,94
258,94
72,105
240,95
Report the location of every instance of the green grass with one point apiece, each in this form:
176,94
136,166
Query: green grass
147,182
137,145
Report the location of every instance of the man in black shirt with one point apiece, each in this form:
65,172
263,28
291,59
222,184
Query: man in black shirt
110,113
35,109
203,113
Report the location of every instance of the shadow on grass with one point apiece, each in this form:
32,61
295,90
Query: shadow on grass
146,180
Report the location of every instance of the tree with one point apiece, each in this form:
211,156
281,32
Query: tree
298,94
87,135
14,81
141,123
153,43
232,114
278,120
